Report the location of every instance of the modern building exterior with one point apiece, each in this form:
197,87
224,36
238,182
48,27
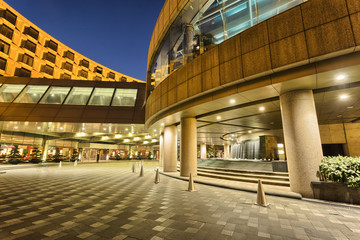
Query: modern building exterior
55,99
285,73
28,51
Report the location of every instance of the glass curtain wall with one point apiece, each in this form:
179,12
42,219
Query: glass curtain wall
206,23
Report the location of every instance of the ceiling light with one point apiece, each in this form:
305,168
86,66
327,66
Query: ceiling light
218,117
350,107
104,129
136,138
104,138
118,136
232,101
249,131
232,135
80,134
162,124
16,127
38,127
126,140
153,140
147,137
280,145
155,135
154,130
126,129
61,128
130,134
146,142
344,96
262,109
340,77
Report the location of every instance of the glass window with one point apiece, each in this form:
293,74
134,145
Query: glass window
9,92
55,95
69,55
8,15
2,63
27,59
6,31
22,72
51,44
125,97
101,96
79,95
31,94
4,47
29,45
32,32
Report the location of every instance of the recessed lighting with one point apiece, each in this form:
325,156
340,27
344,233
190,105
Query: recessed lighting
162,124
136,138
118,136
38,127
83,129
126,140
154,130
218,117
350,107
104,138
16,127
232,135
155,135
344,96
147,137
262,109
104,129
146,142
153,140
61,128
340,77
249,131
130,134
126,129
339,116
232,101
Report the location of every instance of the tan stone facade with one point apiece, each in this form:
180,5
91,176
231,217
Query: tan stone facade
27,51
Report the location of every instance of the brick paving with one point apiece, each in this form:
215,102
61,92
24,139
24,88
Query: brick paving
108,201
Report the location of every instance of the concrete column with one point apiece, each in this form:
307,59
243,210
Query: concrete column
170,149
188,43
161,151
203,151
188,147
226,151
45,147
302,139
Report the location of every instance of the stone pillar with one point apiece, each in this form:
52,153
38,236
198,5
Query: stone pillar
226,151
302,139
203,151
188,43
170,149
188,147
161,151
45,147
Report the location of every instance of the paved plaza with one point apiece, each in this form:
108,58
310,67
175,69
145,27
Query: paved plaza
108,201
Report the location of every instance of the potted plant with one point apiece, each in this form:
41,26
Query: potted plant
57,157
14,156
74,156
35,155
339,179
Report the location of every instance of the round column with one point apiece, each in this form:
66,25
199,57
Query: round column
188,42
203,151
226,151
188,147
302,139
161,151
170,149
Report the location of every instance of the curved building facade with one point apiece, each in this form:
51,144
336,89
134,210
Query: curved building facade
28,51
283,74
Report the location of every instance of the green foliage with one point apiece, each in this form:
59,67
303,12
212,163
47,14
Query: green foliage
341,169
14,156
74,156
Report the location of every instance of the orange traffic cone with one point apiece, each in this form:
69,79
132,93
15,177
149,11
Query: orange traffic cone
261,199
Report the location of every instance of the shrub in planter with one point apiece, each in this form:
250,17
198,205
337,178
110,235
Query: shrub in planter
35,156
341,169
74,156
14,156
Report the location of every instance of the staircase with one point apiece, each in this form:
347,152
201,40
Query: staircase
267,177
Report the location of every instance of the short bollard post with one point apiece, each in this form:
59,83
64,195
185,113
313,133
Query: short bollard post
75,163
133,167
191,187
60,164
141,171
157,176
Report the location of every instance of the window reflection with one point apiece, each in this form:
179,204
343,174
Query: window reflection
125,97
55,95
101,96
79,96
9,92
31,94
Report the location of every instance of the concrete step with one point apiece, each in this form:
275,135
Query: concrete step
246,174
245,179
247,171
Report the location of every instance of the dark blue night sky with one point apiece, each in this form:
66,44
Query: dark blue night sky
115,33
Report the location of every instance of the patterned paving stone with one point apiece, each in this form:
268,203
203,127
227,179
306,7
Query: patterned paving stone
108,201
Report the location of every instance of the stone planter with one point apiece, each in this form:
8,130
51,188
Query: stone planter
336,192
279,166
